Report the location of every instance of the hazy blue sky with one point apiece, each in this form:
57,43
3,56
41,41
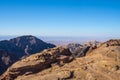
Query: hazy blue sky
60,17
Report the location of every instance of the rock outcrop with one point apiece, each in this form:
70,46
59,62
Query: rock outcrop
102,63
37,62
15,49
78,50
113,42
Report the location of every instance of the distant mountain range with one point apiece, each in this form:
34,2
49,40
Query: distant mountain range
19,47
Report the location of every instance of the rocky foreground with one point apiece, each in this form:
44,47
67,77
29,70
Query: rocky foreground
100,63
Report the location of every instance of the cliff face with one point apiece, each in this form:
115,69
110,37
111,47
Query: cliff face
102,63
14,49
11,48
5,61
79,50
9,53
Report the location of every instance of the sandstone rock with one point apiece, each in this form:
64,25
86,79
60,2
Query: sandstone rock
113,42
102,63
38,62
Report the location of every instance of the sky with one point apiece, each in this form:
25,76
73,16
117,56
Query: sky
74,18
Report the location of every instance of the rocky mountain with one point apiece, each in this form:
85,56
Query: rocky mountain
16,48
101,63
11,48
30,44
79,50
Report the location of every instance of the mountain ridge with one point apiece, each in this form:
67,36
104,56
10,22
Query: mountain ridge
21,46
102,63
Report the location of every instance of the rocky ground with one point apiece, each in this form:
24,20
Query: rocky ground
100,63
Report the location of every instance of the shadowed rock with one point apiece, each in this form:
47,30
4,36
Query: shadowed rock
19,47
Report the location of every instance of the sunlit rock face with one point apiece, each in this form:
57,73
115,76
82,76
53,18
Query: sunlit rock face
38,62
